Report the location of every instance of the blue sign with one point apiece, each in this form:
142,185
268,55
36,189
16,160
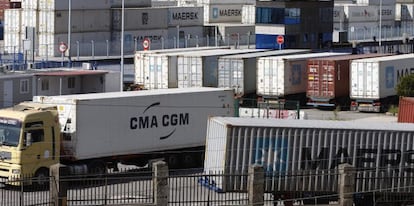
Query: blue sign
389,77
274,150
215,13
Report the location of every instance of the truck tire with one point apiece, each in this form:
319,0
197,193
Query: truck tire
41,178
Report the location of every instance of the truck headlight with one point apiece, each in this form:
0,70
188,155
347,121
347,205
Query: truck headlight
15,171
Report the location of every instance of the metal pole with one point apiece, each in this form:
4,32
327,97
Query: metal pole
122,47
178,36
69,31
208,40
175,42
135,44
93,49
107,47
380,27
77,50
215,35
162,42
196,40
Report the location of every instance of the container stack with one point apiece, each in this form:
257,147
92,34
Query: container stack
12,30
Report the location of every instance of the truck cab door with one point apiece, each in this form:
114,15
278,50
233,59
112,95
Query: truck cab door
39,152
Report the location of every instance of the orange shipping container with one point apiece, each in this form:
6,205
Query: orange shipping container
406,110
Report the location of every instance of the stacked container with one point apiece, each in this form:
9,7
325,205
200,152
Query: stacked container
303,155
239,71
406,110
12,30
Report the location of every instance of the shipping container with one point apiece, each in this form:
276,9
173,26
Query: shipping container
374,81
136,122
131,4
133,39
208,2
362,13
139,18
375,2
200,69
223,13
338,13
185,16
235,32
406,110
141,60
285,77
303,155
12,30
55,5
30,4
29,18
239,71
248,14
328,80
188,35
56,21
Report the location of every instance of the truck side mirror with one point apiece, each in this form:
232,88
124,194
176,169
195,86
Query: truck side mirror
28,139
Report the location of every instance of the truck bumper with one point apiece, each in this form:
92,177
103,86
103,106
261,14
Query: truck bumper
10,174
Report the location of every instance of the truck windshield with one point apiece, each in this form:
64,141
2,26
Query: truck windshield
9,135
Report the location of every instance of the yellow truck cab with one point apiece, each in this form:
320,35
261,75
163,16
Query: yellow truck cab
29,142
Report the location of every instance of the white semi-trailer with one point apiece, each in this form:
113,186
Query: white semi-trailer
373,81
92,132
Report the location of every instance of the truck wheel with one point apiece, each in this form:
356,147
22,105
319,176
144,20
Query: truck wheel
41,177
173,161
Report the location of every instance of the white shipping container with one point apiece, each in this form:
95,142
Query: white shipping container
30,4
185,16
141,60
161,70
12,20
239,71
292,150
404,12
137,121
12,42
154,35
140,18
200,69
29,18
56,21
375,78
279,76
51,5
223,13
248,14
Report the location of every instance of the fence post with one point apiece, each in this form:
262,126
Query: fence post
160,182
256,185
58,188
346,184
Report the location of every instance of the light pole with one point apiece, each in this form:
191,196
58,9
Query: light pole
122,45
380,27
178,36
69,31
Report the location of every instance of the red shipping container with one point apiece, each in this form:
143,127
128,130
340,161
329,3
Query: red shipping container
328,80
406,110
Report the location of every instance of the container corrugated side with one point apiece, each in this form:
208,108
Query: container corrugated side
55,21
140,18
49,5
12,20
223,13
141,123
406,110
303,155
30,4
249,14
284,75
159,74
185,16
238,74
375,78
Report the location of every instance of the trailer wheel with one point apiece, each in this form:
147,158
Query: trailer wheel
41,177
173,161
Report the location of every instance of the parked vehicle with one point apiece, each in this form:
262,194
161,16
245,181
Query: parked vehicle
239,71
92,132
328,80
373,81
303,155
284,77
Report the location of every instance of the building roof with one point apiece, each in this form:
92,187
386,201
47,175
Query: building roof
71,73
